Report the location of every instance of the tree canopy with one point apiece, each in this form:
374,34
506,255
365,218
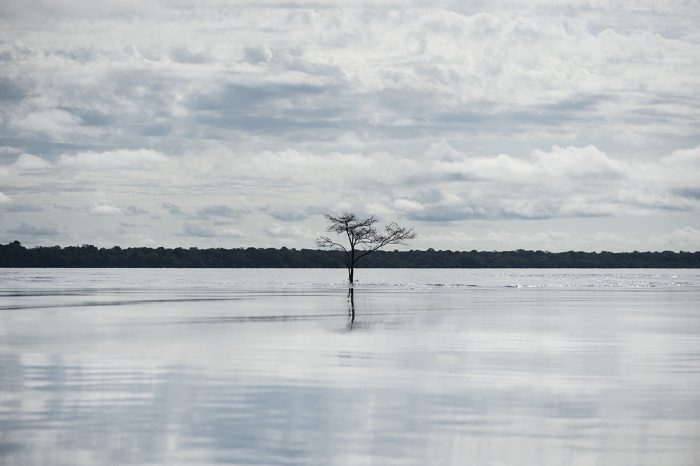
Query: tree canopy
363,238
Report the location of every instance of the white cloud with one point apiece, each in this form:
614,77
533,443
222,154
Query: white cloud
105,209
680,239
287,231
558,183
28,162
407,205
54,122
577,162
350,139
562,182
443,151
125,159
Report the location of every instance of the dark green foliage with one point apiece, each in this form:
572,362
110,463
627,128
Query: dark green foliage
16,255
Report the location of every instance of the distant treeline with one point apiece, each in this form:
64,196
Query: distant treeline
16,255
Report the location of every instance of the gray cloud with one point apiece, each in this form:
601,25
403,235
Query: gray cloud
209,231
219,211
134,210
287,214
438,213
14,207
268,108
172,209
81,55
10,91
256,55
537,209
189,56
92,117
236,97
25,229
691,193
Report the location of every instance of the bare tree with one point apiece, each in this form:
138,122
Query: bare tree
362,237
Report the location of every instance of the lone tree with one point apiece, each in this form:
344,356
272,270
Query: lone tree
363,237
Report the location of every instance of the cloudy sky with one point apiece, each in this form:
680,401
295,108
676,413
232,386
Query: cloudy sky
485,124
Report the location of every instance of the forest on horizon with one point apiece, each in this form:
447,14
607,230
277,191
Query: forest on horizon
14,254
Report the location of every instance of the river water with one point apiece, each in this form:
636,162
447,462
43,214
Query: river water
272,367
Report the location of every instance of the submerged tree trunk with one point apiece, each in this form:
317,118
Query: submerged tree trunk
351,309
351,267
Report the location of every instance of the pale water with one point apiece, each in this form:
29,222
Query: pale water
268,367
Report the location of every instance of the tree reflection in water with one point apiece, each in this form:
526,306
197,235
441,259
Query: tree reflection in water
351,308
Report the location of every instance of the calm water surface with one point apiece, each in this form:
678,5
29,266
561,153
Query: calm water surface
268,367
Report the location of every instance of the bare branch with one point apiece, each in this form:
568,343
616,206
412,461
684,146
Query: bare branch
326,243
363,237
395,234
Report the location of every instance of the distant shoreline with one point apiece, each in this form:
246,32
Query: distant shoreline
86,256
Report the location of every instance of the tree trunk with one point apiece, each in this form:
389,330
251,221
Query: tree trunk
351,266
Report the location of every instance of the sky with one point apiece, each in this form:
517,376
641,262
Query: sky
489,125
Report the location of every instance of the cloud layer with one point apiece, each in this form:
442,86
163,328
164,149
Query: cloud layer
239,124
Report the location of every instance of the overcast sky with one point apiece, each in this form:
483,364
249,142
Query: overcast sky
485,124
